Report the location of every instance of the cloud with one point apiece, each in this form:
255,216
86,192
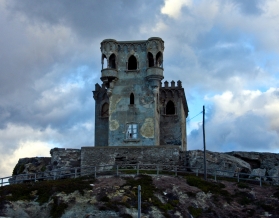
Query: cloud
245,121
226,54
25,149
172,8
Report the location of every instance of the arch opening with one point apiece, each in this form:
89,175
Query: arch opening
103,58
159,59
150,60
170,108
105,110
112,63
132,63
132,98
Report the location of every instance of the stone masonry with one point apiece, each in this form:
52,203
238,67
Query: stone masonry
132,108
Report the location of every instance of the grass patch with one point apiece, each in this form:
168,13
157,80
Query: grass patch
147,194
18,169
58,207
243,198
195,212
206,186
44,189
243,185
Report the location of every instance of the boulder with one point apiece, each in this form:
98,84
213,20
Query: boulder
217,162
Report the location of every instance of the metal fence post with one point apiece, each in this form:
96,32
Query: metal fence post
116,170
137,169
95,174
35,177
139,201
197,173
75,172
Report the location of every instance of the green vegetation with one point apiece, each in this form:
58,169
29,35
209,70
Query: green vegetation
212,187
205,186
58,208
195,212
130,195
18,169
42,191
243,185
243,198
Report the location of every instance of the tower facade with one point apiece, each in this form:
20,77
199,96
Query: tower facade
131,106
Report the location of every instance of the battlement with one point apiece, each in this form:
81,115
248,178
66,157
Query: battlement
172,85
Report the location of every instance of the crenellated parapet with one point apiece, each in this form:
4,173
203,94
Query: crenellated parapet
173,92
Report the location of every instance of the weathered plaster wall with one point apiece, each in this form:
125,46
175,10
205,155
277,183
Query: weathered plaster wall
144,82
143,112
101,122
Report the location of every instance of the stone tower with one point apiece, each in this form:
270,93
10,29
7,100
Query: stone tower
131,106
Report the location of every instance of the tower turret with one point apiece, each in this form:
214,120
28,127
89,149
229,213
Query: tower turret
127,111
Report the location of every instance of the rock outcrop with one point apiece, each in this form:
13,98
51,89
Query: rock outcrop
254,164
162,196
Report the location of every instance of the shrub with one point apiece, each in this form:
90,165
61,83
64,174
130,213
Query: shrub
195,212
58,208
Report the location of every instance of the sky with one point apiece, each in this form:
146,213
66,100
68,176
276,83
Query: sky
225,52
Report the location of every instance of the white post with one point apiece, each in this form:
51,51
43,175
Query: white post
139,201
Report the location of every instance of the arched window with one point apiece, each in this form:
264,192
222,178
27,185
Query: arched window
105,110
132,63
103,57
150,60
112,63
159,59
132,98
170,108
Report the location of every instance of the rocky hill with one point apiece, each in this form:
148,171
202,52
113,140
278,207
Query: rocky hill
162,196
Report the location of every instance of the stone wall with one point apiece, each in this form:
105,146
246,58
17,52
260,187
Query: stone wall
65,158
96,156
254,163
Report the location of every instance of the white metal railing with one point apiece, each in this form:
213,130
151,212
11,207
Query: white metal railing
123,169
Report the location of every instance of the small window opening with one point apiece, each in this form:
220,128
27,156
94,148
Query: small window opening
105,110
103,59
132,63
170,108
132,131
132,99
159,59
112,63
150,60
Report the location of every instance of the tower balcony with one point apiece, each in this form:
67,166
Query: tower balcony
155,73
109,73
